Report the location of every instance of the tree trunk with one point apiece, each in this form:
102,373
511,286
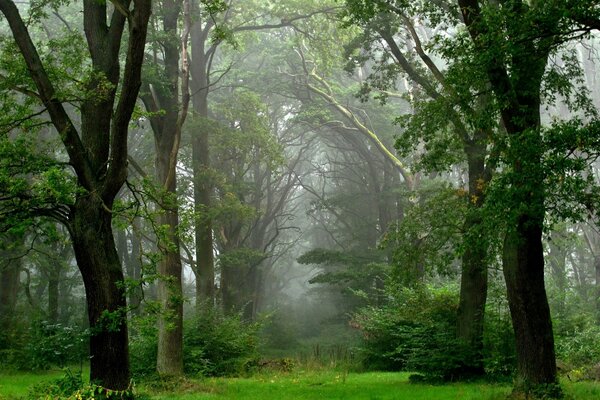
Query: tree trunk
523,263
516,81
557,258
10,270
170,323
474,273
205,269
53,291
98,261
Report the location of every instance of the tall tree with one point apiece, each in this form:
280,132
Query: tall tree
97,153
445,120
512,42
168,114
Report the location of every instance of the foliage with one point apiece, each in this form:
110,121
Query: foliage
217,345
427,239
63,387
416,332
42,345
578,341
411,333
143,346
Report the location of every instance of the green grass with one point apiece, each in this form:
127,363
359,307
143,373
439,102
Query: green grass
330,385
305,385
17,384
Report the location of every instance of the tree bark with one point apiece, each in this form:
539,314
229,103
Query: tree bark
166,124
524,274
98,261
474,272
203,235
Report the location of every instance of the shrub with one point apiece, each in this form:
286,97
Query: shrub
55,344
216,344
143,347
416,332
578,343
41,345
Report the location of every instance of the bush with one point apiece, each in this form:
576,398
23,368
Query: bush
56,344
143,348
59,388
218,345
578,343
42,345
417,332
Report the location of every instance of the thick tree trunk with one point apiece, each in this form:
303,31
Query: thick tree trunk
523,262
523,255
474,272
98,261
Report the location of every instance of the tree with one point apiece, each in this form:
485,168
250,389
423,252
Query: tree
447,125
167,115
512,42
97,154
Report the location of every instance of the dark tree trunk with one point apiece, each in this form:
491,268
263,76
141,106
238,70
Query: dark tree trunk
524,274
474,272
98,261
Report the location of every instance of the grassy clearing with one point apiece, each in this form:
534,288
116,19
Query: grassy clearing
329,385
305,385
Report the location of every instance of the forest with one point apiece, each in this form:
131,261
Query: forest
299,199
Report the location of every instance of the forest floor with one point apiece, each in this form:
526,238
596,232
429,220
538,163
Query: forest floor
304,385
